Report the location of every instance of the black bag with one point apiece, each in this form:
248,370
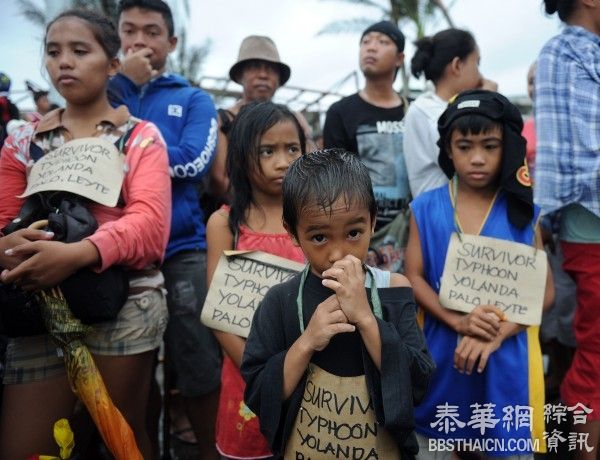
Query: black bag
92,297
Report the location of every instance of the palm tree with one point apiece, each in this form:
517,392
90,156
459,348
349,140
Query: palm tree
402,12
188,59
41,15
32,12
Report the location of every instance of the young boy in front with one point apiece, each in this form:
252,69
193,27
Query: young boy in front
335,360
486,367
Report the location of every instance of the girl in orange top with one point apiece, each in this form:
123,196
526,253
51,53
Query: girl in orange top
264,140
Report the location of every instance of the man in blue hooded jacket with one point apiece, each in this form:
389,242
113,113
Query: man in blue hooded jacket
186,117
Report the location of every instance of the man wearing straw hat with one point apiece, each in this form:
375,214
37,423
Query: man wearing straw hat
260,72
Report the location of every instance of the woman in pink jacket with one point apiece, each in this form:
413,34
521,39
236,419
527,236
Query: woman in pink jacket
80,49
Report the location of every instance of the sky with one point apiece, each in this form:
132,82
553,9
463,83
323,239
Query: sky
509,33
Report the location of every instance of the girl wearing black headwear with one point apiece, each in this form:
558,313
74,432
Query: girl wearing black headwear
481,358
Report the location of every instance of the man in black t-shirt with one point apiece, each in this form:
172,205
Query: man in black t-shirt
370,122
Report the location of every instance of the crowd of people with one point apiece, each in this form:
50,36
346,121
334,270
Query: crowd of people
357,356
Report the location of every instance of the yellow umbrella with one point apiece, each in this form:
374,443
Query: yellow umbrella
85,379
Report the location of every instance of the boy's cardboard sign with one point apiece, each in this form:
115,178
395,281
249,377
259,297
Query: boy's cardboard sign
488,271
241,280
90,167
337,420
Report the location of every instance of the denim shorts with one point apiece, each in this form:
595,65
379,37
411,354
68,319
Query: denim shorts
138,328
192,350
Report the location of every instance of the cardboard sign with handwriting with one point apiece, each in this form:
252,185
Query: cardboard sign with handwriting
487,271
337,420
90,167
241,280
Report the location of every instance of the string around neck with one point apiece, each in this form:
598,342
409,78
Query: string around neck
375,300
454,182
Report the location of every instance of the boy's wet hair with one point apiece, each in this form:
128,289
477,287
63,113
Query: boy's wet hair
243,151
151,5
322,177
102,28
